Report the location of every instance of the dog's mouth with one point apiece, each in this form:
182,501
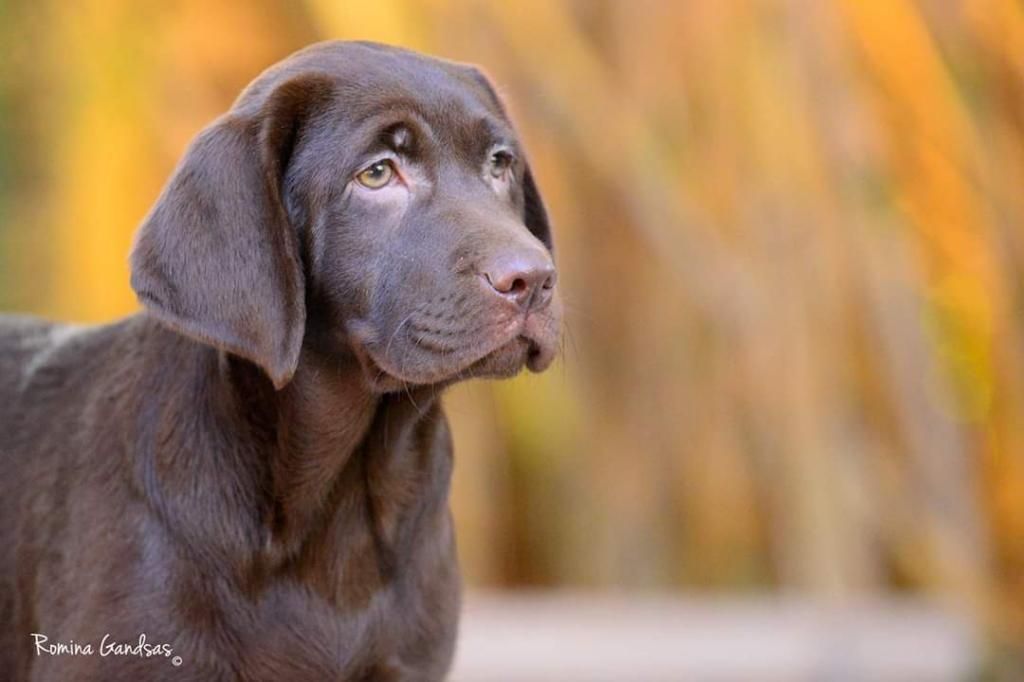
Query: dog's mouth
500,360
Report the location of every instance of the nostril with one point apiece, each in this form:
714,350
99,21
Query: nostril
549,282
516,285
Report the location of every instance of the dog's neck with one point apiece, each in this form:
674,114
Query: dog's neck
322,418
283,477
340,446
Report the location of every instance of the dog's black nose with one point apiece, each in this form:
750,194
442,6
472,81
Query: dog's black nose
526,278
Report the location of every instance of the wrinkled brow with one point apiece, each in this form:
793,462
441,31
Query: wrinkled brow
495,132
401,129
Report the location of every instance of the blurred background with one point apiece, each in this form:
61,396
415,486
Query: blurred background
790,240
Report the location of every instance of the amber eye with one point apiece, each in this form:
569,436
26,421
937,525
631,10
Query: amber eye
376,175
501,161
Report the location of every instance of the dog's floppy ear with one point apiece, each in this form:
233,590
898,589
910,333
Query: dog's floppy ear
217,259
535,216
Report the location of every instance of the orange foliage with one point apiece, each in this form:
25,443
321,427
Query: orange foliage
789,240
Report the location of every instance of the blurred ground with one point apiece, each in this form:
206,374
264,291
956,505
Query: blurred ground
578,637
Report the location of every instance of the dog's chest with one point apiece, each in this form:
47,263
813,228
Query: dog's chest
402,632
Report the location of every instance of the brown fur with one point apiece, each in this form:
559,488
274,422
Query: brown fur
255,469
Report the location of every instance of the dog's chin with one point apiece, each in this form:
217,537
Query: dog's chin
504,362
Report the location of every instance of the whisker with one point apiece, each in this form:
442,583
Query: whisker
577,310
405,384
568,336
408,317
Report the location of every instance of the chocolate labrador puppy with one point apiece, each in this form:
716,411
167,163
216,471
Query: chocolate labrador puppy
249,479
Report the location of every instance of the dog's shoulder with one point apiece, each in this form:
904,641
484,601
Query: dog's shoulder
40,356
21,336
26,343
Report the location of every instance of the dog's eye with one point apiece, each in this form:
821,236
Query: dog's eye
376,175
501,161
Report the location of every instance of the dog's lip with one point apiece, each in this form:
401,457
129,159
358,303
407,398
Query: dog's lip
362,338
377,376
541,351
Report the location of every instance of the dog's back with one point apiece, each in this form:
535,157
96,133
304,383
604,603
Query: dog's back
22,341
50,384
44,379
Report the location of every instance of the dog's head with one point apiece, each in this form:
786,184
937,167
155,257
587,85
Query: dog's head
358,199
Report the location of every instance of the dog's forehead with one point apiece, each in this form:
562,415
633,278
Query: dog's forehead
433,90
367,74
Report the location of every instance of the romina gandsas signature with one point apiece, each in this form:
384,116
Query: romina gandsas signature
107,647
